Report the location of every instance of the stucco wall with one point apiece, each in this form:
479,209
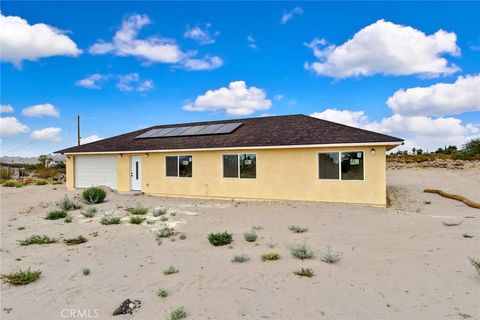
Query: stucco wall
70,172
288,174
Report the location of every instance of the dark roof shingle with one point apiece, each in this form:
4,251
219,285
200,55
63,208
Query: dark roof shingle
255,132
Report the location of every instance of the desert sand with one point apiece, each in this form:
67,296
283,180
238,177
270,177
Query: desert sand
399,262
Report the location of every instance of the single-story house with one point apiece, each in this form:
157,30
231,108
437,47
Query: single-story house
293,157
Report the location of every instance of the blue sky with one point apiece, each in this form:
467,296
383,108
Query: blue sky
127,65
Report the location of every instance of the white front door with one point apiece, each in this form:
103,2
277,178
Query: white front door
135,173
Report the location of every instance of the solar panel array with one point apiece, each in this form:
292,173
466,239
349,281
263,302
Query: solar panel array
191,130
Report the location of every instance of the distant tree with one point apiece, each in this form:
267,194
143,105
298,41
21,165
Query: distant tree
44,160
419,151
439,150
472,147
450,149
414,150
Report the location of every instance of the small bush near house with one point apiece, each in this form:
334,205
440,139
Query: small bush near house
150,221
157,212
67,204
57,182
89,212
270,255
37,239
68,219
298,229
41,182
240,258
94,195
476,264
302,252
250,236
220,238
162,293
136,220
139,209
86,271
56,214
21,278
178,314
110,220
170,270
330,256
304,272
165,232
9,184
73,241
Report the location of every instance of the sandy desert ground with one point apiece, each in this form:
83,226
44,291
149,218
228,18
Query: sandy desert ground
398,263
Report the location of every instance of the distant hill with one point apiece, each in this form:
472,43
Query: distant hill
29,160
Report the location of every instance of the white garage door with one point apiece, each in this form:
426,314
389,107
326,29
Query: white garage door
95,171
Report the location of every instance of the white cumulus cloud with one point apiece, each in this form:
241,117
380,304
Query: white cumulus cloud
202,36
41,110
92,81
439,99
207,63
89,139
6,108
251,42
236,100
130,82
287,16
21,41
10,126
47,134
387,48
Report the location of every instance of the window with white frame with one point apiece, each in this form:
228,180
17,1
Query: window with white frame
240,165
178,166
341,165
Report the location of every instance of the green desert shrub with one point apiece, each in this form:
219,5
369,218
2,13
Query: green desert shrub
162,293
89,212
21,278
157,212
37,239
56,214
9,184
270,255
73,241
68,219
302,252
304,272
94,195
220,238
67,204
240,258
170,270
250,236
107,220
163,218
139,209
86,271
298,229
466,235
136,220
330,256
41,182
476,264
178,314
165,232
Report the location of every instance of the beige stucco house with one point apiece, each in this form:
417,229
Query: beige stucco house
292,157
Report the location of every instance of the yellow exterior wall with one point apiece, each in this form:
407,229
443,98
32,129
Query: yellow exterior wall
282,174
70,172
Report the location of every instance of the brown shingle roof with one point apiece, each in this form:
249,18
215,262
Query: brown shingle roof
255,132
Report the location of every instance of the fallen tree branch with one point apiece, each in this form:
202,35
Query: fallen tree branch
467,201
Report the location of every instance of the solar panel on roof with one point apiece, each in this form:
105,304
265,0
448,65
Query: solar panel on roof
193,130
220,128
149,133
177,131
162,132
210,129
228,127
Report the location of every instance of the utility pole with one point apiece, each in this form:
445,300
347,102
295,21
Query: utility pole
78,129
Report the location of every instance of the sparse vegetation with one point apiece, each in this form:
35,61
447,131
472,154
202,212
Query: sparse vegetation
37,239
21,278
298,229
94,195
183,236
452,224
170,270
330,256
165,232
136,220
68,219
41,182
86,271
256,228
302,252
270,255
56,214
468,236
157,212
73,241
139,209
475,263
162,293
150,221
163,218
304,272
178,314
220,238
89,212
67,204
240,258
250,236
107,220
9,184
464,315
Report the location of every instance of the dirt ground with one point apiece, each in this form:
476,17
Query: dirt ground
398,263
